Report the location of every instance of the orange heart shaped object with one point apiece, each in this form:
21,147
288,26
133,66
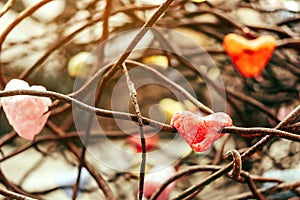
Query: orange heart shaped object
249,56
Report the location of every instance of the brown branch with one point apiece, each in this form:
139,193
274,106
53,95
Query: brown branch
220,14
173,85
184,172
96,175
235,156
288,42
68,136
14,187
294,128
90,109
194,190
7,138
105,32
278,188
199,186
105,35
289,20
14,195
162,8
219,154
259,131
66,39
8,5
80,166
252,186
133,97
253,102
27,12
142,32
18,151
106,15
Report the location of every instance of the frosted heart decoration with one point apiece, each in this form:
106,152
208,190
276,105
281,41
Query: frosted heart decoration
249,56
26,114
200,132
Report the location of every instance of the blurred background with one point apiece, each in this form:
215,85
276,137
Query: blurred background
39,50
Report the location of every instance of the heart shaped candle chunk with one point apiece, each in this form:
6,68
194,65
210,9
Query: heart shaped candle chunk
249,56
27,114
200,132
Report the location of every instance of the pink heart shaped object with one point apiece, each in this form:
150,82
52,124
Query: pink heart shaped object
26,114
200,132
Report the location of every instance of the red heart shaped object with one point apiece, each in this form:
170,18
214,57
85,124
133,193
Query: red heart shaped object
249,56
200,132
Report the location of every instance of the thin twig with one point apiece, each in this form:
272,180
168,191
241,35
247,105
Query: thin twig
195,189
220,14
266,191
27,12
14,187
259,131
219,154
253,102
14,195
106,15
67,38
133,97
8,5
90,109
252,187
288,42
7,138
288,119
95,174
168,46
294,128
80,166
173,85
67,136
162,8
105,35
183,172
